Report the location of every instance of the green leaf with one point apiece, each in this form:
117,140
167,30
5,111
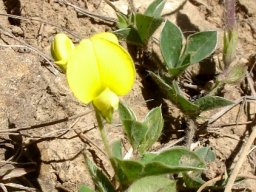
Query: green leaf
141,135
175,87
175,160
130,35
201,45
135,132
100,180
182,65
123,21
122,33
128,170
84,188
157,168
184,61
153,184
187,107
125,112
154,123
138,133
193,180
117,149
211,102
206,153
175,72
183,104
140,29
155,8
147,157
180,157
165,88
146,26
171,44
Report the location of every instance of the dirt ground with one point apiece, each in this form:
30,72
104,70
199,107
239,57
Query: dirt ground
44,130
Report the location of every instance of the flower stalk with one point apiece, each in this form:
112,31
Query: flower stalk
103,133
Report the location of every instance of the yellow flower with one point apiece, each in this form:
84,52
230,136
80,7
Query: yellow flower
61,49
99,70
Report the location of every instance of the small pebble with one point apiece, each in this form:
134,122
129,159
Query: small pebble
17,31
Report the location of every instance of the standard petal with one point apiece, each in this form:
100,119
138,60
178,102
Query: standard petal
83,73
107,36
116,66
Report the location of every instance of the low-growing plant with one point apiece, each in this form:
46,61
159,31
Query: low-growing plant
99,70
177,55
90,80
137,28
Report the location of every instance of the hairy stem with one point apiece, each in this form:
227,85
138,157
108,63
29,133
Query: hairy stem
230,32
191,132
103,133
107,146
230,14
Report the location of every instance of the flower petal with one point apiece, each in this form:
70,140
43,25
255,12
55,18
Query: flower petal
107,36
83,73
106,103
61,49
116,66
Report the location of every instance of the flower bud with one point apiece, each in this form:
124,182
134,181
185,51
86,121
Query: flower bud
106,102
61,49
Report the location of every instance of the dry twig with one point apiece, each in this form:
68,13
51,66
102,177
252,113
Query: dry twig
169,145
89,14
2,186
228,108
112,6
48,60
28,19
245,150
250,83
240,161
44,124
21,187
209,183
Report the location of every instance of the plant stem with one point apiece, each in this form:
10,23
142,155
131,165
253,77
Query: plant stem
230,14
132,7
216,88
230,32
106,145
191,131
103,133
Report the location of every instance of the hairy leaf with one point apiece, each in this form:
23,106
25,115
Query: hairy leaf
154,123
117,149
171,44
146,26
200,45
153,184
211,102
100,180
155,8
